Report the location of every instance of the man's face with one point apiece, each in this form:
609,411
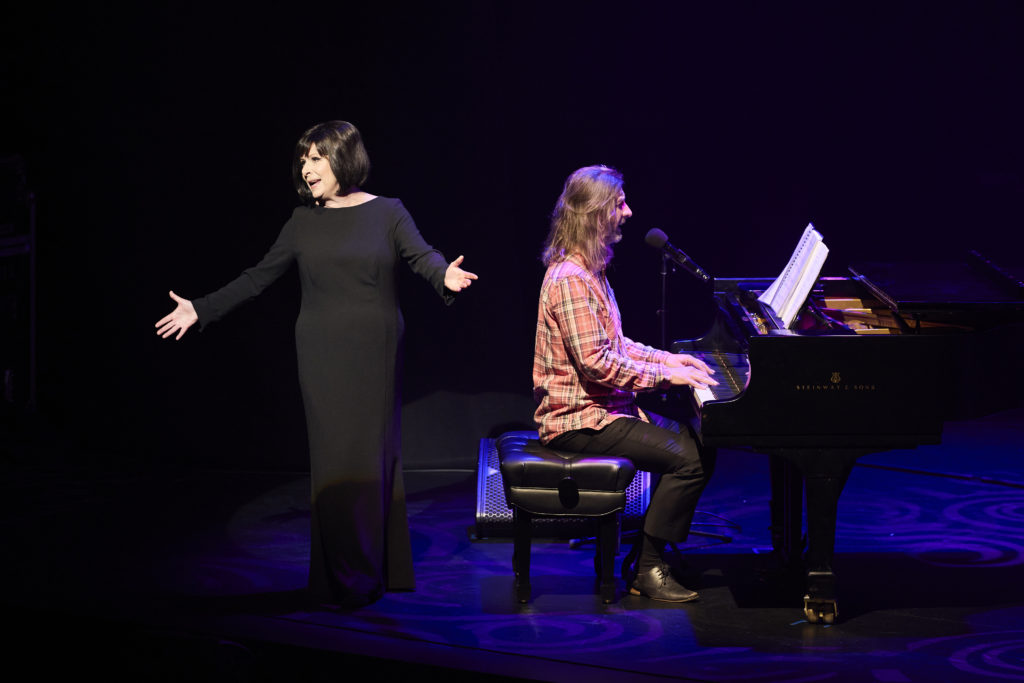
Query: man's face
619,215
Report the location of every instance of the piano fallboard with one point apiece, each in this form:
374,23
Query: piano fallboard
843,391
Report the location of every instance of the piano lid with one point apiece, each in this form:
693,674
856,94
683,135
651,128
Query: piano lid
975,283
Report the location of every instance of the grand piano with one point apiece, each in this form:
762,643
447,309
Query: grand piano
875,361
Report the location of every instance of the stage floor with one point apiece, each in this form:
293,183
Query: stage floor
197,575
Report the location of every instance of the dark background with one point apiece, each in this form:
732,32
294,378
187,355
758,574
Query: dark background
158,145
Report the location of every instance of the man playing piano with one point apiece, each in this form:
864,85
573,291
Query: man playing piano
586,373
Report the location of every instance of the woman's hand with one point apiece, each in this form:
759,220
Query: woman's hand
457,279
181,318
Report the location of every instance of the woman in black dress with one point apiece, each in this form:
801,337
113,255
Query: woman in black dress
348,246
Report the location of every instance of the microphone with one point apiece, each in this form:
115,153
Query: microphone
659,240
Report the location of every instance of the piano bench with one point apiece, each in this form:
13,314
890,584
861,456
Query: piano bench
543,482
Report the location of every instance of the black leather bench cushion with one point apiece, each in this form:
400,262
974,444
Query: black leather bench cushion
546,481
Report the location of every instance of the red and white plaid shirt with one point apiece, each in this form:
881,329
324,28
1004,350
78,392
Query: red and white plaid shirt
585,372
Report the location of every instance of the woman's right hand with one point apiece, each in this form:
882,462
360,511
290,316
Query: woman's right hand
689,375
179,320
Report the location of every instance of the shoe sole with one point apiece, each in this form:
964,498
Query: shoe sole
634,591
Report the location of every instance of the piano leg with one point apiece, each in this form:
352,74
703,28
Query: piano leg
824,474
787,508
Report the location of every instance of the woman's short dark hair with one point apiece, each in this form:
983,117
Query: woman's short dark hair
342,145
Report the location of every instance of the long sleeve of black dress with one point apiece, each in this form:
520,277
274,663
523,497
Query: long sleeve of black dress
250,283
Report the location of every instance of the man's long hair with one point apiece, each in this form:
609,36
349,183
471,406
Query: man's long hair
584,217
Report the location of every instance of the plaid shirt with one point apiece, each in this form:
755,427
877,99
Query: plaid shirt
585,373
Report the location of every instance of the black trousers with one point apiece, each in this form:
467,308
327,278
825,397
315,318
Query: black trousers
661,447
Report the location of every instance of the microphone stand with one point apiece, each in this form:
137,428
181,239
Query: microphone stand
626,570
663,311
721,538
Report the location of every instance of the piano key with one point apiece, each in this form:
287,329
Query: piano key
731,371
704,395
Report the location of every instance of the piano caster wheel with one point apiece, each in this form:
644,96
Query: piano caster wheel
820,599
820,610
522,592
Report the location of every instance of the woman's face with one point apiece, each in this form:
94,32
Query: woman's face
316,171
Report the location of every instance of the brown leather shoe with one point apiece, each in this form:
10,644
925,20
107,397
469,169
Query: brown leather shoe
657,583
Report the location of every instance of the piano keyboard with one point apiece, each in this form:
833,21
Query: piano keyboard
732,371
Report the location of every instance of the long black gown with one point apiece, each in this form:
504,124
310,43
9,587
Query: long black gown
348,338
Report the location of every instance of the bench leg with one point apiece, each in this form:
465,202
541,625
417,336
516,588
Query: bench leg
607,544
523,532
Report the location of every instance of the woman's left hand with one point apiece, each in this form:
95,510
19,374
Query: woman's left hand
457,279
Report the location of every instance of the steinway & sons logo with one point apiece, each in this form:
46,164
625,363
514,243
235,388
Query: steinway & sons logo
835,383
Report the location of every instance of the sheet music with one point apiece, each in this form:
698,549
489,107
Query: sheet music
788,292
